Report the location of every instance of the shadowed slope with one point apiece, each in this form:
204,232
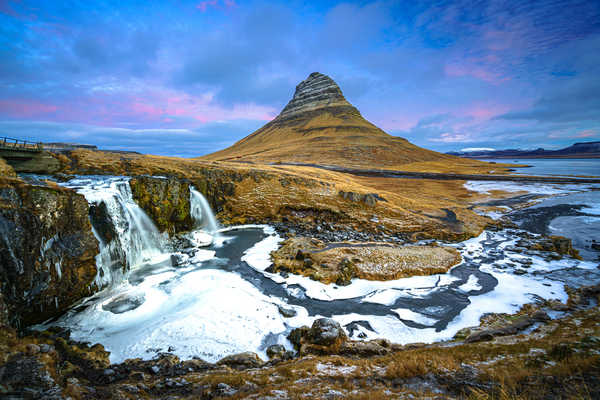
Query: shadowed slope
320,126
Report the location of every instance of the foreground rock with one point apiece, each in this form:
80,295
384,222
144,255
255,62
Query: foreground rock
326,336
47,251
341,262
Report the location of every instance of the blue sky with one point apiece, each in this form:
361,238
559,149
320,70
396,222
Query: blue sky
191,77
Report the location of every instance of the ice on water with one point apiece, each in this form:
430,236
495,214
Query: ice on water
210,313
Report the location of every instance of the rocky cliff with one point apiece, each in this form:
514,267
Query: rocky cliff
165,200
47,251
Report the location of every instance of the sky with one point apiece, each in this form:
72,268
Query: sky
187,78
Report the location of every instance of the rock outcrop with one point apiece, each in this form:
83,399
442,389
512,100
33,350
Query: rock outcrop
43,162
166,201
47,251
342,262
317,91
6,169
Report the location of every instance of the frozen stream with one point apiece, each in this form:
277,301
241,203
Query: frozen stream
219,300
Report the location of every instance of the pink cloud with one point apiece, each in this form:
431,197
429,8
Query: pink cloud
560,134
152,107
476,71
206,4
16,108
482,112
586,133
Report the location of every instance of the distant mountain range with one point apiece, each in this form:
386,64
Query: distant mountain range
577,150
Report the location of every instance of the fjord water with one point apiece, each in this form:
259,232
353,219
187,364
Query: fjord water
555,166
210,299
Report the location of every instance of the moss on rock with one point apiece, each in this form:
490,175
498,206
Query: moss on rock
166,201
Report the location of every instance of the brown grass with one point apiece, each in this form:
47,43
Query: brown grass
266,193
372,261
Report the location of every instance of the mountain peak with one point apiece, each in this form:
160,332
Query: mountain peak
319,126
316,91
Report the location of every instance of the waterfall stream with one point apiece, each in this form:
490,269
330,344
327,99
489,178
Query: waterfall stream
202,213
137,239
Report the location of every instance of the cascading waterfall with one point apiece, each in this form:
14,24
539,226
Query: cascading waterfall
202,213
137,239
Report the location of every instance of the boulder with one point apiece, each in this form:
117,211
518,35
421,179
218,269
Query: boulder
325,332
287,312
325,336
242,361
276,351
365,349
369,199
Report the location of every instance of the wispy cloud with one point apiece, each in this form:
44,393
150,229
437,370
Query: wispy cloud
205,5
441,74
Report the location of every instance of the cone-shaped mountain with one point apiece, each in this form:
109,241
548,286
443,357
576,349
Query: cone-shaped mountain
320,126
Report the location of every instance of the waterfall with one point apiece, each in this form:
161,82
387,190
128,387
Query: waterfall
137,240
202,213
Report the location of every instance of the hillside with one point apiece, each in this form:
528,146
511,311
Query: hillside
320,126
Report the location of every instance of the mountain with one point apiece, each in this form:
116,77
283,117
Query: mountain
320,126
577,150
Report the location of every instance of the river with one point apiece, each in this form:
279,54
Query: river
213,296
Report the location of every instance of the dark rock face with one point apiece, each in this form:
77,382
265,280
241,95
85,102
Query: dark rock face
29,375
166,201
217,185
100,219
317,91
47,251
